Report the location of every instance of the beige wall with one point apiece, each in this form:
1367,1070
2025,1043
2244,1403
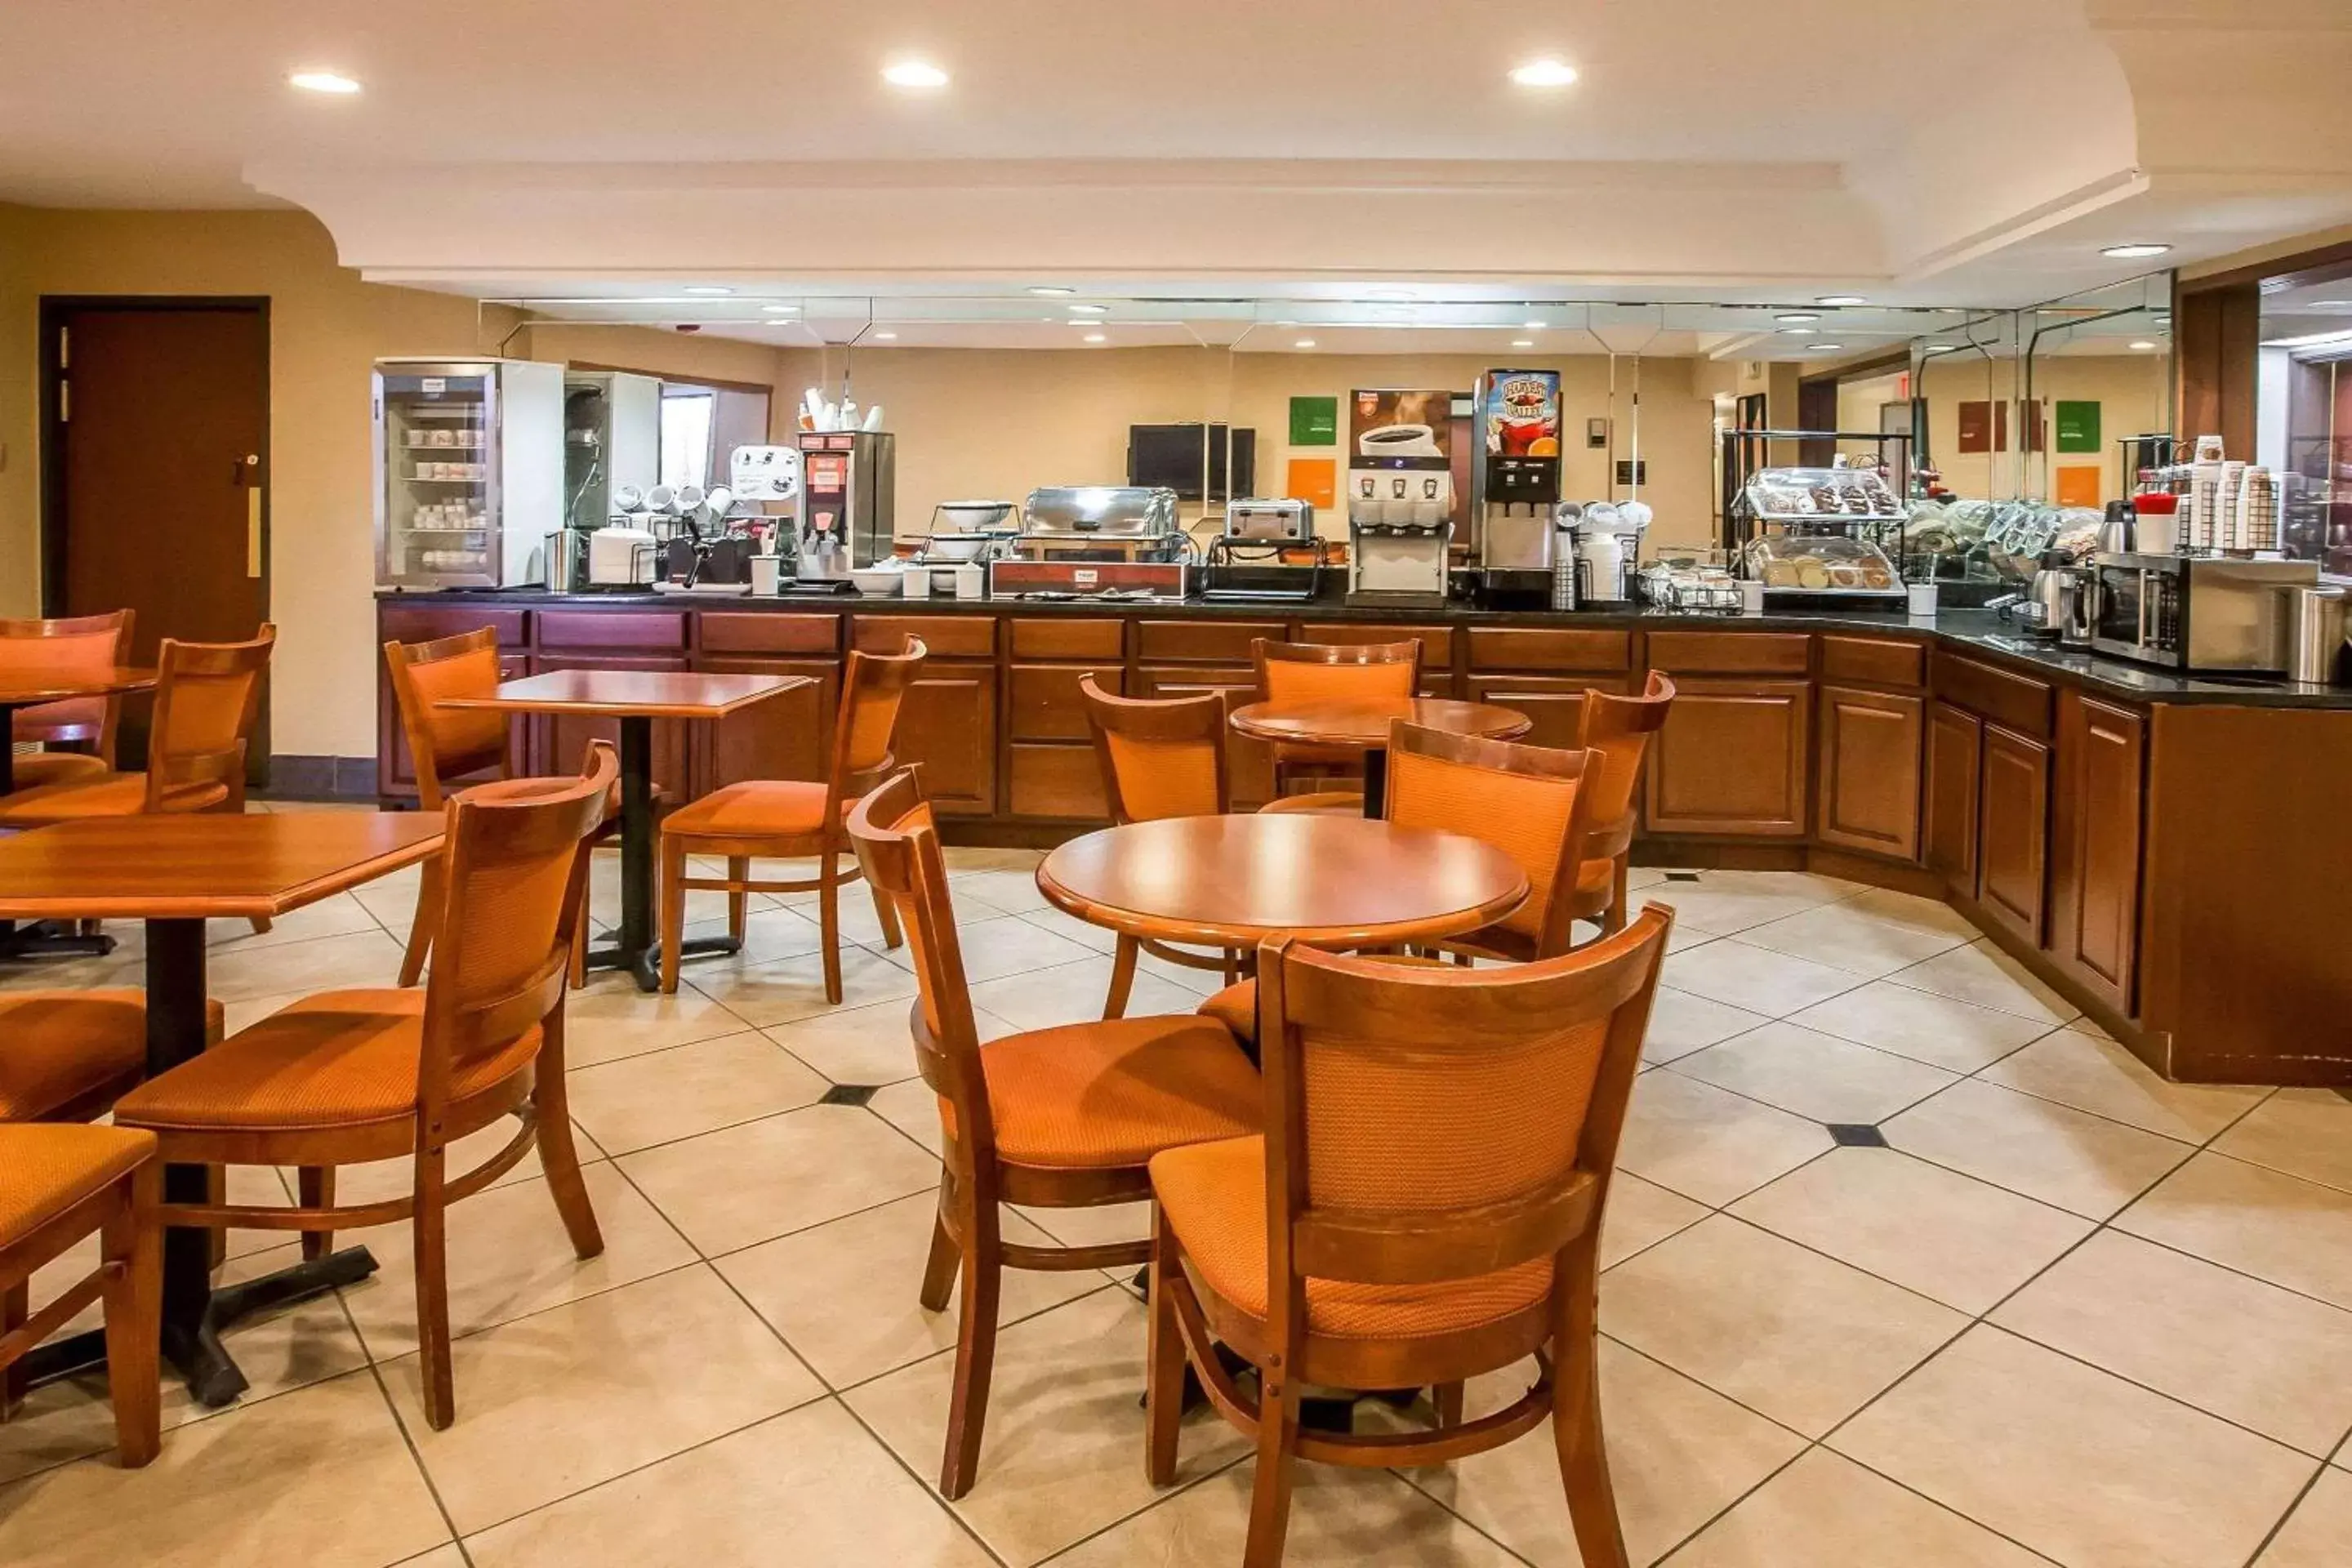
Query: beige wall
2131,389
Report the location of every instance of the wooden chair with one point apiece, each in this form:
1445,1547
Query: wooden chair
206,695
1531,802
1425,1206
58,1184
76,642
1329,672
1059,1118
1618,729
1163,757
348,1077
447,744
787,818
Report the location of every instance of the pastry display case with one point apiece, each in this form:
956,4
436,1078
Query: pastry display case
1832,535
1834,567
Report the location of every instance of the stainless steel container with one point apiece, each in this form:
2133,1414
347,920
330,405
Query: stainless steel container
2319,624
564,569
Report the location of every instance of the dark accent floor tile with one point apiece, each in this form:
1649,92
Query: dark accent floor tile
1857,1134
1682,876
848,1094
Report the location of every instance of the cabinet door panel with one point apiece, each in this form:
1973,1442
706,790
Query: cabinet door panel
787,737
2013,840
1870,771
1735,757
1055,781
2097,845
1043,702
1955,764
1556,703
564,739
1249,764
947,725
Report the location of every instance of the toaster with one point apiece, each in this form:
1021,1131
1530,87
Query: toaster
1276,518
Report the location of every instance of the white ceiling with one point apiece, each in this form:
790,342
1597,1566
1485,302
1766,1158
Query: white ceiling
1916,154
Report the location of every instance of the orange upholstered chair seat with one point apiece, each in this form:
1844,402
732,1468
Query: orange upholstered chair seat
102,794
53,1165
1104,1095
340,1059
48,768
1322,803
755,808
58,1047
1213,1195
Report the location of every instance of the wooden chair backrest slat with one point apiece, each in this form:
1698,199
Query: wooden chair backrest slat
514,861
1428,1124
1159,756
1618,729
898,844
1335,672
447,743
206,696
1531,802
872,689
75,643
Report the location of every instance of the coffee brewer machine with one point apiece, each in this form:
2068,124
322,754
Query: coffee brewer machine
1399,495
1514,486
844,516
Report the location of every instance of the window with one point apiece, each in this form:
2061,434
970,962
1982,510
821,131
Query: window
686,415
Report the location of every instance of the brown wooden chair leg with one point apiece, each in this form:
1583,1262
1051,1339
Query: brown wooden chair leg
133,1290
939,1267
975,1358
673,910
420,925
15,1310
1447,1398
216,1193
828,912
1277,1437
577,974
1122,976
1614,919
260,924
559,1155
738,902
1164,1384
316,1189
1576,1423
887,913
430,1225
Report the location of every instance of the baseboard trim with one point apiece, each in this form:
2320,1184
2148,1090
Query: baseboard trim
295,777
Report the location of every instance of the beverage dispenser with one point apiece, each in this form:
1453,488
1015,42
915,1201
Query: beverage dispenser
1399,493
1514,488
846,512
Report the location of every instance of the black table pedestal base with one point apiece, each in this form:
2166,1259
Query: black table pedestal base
48,940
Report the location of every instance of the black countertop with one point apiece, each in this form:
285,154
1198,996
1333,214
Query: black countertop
1975,631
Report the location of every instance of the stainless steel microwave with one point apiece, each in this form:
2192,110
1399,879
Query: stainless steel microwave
2194,612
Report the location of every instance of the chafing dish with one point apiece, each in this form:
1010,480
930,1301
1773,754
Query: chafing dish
1098,522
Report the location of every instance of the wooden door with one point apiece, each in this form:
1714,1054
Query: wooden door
564,738
157,460
947,726
2013,834
1555,702
1869,771
1735,757
2095,880
1955,768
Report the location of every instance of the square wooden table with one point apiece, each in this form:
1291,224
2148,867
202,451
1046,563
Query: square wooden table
174,873
33,689
637,698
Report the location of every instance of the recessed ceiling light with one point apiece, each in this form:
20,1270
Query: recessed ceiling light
1536,326
706,289
1798,332
886,337
1829,348
2143,344
1544,73
1940,348
1304,343
1050,289
2136,251
914,73
780,310
323,81
1840,300
1523,343
1097,338
1798,316
1088,309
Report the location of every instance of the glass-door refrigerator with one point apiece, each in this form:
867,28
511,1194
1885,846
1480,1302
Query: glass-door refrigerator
468,471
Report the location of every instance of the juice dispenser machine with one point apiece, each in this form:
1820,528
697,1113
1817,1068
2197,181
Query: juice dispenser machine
1514,488
846,516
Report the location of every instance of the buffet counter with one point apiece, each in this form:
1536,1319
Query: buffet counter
2168,852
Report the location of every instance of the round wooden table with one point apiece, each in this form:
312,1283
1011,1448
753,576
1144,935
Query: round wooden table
1364,727
1230,882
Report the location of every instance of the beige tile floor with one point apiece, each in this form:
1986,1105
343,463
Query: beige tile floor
2070,1314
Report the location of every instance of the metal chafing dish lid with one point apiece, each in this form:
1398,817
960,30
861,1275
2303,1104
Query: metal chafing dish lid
1092,510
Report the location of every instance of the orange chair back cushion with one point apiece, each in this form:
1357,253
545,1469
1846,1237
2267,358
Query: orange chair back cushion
1289,680
1164,778
203,715
1524,815
1612,786
459,734
81,654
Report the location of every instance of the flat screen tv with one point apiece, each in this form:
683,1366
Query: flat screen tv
1169,455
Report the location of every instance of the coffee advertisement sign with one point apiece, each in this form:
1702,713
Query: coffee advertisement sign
1401,428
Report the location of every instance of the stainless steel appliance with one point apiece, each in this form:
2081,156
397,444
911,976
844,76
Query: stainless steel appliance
1072,536
468,471
2050,597
1514,487
623,555
842,518
1399,492
2199,613
1398,560
1280,518
2319,623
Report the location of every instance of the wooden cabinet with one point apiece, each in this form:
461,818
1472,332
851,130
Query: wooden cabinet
1869,770
2013,831
2096,846
787,737
947,726
1556,703
1735,757
563,738
1050,770
1955,769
